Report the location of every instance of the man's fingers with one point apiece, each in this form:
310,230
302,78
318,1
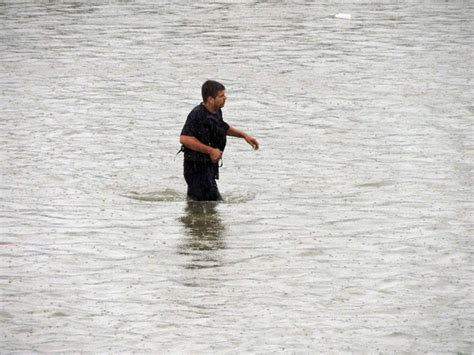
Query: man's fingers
254,144
216,155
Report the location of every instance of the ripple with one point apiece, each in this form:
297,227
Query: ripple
348,232
167,195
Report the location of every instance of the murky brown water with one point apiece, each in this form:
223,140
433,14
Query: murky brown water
349,231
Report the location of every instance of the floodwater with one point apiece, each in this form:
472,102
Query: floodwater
349,231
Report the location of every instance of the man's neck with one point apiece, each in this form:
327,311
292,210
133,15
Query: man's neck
209,107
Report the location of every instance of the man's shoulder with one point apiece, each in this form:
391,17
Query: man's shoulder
198,111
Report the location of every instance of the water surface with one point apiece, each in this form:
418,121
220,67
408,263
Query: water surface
349,231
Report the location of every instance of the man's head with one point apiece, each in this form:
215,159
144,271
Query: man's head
213,94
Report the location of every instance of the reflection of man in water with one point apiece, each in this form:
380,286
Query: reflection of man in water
203,227
204,139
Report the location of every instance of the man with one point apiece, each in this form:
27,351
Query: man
204,137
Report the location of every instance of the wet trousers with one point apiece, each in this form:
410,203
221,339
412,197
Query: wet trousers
201,179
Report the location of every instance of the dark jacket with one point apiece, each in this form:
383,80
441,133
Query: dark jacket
209,128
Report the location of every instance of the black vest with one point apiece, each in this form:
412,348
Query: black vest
208,128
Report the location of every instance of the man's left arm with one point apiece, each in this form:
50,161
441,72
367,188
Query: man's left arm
234,132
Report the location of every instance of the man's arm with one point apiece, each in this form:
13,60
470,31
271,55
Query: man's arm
234,132
193,143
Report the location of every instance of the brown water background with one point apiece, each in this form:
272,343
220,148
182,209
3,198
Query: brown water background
349,231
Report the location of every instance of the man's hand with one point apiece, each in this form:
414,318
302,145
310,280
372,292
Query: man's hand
234,132
252,141
194,144
215,155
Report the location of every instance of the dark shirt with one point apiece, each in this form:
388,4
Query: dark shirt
209,128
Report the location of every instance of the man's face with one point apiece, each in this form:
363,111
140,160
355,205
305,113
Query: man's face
219,100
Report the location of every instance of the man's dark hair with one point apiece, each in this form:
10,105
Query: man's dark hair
211,88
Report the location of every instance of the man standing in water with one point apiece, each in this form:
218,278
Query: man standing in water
204,138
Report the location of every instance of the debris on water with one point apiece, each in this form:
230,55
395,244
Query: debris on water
343,16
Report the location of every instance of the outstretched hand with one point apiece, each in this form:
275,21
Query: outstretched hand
252,141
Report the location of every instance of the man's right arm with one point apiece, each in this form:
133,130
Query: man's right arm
193,143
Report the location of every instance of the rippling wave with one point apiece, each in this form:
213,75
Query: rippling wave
349,231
